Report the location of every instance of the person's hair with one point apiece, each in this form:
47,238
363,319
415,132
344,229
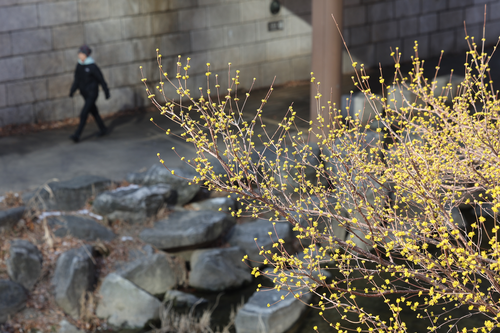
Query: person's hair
85,49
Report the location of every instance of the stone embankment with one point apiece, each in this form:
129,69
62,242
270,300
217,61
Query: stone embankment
197,245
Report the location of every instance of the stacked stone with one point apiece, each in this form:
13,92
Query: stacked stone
130,297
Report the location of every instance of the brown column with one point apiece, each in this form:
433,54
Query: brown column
326,53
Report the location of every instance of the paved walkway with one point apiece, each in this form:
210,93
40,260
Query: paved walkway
30,160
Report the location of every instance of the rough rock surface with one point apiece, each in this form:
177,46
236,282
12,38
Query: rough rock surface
74,275
133,255
133,205
12,299
80,227
218,269
256,316
155,273
223,204
158,174
24,264
146,250
243,235
181,299
67,195
66,327
124,304
9,217
187,229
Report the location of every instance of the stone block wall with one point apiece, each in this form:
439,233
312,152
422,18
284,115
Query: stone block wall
372,27
39,40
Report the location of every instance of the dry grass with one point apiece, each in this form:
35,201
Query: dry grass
173,322
10,200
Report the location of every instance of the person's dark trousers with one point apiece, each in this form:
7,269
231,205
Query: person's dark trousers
89,107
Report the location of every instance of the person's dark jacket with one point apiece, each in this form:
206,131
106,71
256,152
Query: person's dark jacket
87,80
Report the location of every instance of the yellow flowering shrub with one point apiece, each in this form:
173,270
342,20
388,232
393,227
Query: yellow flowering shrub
377,208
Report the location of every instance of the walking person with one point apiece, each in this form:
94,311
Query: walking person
87,79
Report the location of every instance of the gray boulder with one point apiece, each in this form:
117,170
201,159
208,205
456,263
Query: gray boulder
218,269
13,299
187,229
80,227
256,316
66,327
184,255
9,217
24,264
179,182
74,275
134,254
125,305
222,204
67,195
180,299
155,273
243,235
146,250
133,205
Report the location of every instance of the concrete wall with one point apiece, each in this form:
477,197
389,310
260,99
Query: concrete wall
372,27
39,40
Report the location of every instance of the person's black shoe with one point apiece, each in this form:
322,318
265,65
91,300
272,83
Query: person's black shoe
74,138
102,133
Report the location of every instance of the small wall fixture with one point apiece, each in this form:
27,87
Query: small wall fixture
275,7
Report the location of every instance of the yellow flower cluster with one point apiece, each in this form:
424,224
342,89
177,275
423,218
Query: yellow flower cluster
377,212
